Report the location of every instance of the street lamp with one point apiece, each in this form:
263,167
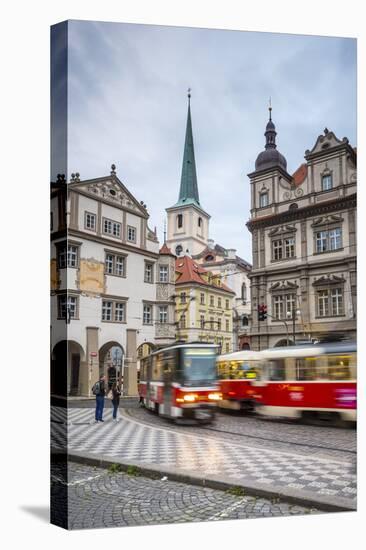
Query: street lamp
293,315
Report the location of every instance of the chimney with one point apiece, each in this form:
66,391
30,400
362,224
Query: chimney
211,244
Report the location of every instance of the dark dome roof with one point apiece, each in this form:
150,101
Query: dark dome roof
270,126
269,159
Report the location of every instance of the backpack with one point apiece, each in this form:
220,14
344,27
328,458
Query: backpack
96,388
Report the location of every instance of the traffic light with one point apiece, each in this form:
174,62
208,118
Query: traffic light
262,312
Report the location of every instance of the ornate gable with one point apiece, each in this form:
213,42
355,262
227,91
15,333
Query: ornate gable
111,190
283,286
326,141
326,280
282,230
327,220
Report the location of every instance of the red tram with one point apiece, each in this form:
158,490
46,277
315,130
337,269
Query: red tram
180,381
315,380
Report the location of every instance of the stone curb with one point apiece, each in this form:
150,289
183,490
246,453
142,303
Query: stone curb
289,495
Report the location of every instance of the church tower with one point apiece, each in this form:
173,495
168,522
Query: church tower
187,221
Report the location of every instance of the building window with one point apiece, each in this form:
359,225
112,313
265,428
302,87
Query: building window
183,321
227,304
51,221
147,315
202,321
327,182
227,347
328,240
283,306
180,220
219,324
131,234
330,302
283,248
90,221
113,311
115,265
219,302
212,301
163,274
263,199
200,222
149,271
67,307
183,298
212,321
244,321
111,227
179,249
243,293
202,298
163,314
68,256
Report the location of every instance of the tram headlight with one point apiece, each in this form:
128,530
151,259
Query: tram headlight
190,397
216,396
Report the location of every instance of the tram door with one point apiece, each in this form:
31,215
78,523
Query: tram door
168,378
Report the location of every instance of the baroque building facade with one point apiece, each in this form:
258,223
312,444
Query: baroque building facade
110,286
188,234
304,243
203,305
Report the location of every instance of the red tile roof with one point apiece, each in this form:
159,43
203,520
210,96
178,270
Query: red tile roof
300,174
191,272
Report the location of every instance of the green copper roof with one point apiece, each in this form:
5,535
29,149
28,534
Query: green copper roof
188,192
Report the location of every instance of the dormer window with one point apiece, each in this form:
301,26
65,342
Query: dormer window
263,199
180,220
327,182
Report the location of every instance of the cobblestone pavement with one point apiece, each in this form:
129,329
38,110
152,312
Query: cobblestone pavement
209,456
98,498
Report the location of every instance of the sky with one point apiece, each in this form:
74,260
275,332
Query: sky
127,105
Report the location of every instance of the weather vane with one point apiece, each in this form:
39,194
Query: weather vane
270,108
189,93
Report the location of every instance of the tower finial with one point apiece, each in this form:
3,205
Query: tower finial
270,108
164,231
189,95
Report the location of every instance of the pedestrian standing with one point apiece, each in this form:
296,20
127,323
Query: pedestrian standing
116,394
99,391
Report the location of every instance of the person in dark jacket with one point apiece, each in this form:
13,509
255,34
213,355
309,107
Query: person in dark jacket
99,392
116,394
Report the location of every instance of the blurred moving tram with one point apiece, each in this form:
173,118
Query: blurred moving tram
304,381
180,382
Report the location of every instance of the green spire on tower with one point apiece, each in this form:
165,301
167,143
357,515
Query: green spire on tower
188,192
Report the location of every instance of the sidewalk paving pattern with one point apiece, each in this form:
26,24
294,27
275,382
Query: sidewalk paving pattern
135,443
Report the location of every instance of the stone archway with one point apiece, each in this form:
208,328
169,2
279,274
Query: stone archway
283,343
111,362
67,362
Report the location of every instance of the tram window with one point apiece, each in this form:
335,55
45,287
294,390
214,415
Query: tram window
339,367
157,367
276,370
306,368
223,370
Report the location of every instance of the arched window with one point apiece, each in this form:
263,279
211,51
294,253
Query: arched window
178,250
180,220
200,222
263,199
209,258
243,292
244,321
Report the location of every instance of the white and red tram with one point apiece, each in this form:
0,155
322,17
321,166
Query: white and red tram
296,381
180,381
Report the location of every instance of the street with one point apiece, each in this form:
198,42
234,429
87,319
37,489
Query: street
100,498
307,467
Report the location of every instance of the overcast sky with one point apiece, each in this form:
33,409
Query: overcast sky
128,106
